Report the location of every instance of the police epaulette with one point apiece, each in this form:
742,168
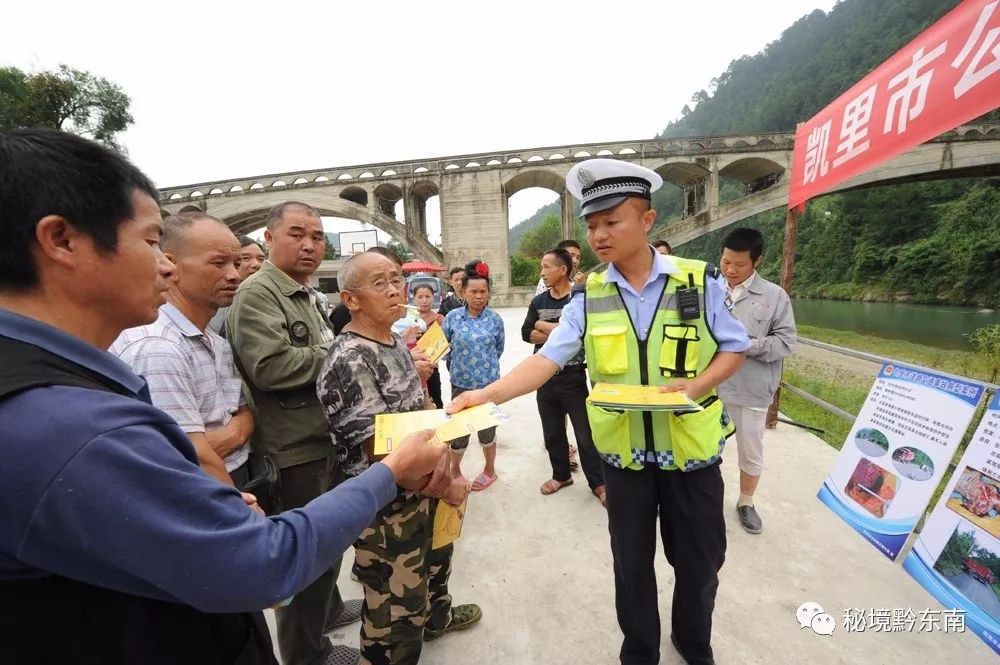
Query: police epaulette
712,270
578,288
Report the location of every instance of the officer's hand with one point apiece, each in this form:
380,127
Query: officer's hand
467,399
415,457
689,387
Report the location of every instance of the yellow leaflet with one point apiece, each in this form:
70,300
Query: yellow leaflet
617,395
392,428
433,343
448,523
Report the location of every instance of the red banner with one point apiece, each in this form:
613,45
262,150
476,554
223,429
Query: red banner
948,75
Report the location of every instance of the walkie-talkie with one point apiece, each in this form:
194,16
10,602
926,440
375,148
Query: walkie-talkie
687,300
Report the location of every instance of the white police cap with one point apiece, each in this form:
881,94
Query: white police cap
603,184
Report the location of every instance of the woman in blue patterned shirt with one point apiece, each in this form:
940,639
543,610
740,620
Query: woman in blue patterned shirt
476,335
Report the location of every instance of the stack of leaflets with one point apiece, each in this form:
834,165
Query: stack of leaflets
639,398
392,428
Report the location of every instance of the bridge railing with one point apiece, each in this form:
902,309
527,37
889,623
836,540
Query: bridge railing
649,147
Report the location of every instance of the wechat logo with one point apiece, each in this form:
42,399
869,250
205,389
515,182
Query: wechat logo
811,615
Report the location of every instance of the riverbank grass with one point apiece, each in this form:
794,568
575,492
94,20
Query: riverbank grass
963,363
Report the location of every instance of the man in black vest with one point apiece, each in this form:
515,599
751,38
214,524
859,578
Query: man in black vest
116,548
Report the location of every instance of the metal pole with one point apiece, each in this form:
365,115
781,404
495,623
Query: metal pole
787,271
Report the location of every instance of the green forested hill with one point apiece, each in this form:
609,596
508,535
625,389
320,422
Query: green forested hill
815,60
925,242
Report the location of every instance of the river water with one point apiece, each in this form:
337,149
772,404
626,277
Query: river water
939,326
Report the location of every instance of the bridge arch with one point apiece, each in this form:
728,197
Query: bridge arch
749,169
416,199
355,195
386,196
681,173
245,214
534,178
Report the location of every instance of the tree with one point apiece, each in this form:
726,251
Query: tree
400,250
543,237
524,270
68,99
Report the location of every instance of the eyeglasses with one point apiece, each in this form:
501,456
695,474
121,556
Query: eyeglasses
382,285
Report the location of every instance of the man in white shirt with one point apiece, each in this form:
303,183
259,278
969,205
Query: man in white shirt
188,367
766,312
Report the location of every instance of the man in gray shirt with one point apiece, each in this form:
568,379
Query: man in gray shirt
766,312
188,367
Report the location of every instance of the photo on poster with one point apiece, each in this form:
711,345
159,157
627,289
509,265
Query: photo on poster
872,487
871,442
970,562
913,463
976,497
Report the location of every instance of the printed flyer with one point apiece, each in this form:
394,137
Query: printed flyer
639,398
392,428
897,452
433,343
448,523
956,557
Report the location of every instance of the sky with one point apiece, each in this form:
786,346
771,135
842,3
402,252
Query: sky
224,89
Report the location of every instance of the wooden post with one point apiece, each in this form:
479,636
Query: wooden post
787,272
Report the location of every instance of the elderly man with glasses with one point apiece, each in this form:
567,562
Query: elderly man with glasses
370,371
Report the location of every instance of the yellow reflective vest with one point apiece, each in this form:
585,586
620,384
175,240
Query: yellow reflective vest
674,348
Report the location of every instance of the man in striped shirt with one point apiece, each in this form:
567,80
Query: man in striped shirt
188,367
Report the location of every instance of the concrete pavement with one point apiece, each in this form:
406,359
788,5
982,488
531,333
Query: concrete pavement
541,569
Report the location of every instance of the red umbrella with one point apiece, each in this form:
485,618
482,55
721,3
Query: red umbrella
421,266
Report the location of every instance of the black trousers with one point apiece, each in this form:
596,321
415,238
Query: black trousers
565,394
434,388
302,623
693,529
241,475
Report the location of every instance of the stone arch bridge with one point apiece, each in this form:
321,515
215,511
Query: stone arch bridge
474,189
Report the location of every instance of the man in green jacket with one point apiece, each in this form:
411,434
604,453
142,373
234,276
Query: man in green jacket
280,339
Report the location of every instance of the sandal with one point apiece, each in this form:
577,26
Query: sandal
551,486
601,495
482,481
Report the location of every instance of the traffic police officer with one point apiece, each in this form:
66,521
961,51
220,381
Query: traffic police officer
650,319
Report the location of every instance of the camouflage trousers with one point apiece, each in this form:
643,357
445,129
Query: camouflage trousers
439,571
404,581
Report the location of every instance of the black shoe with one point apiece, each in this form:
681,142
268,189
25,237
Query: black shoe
749,519
341,654
677,647
350,614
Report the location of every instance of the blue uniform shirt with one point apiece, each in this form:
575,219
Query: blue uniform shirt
565,341
105,489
